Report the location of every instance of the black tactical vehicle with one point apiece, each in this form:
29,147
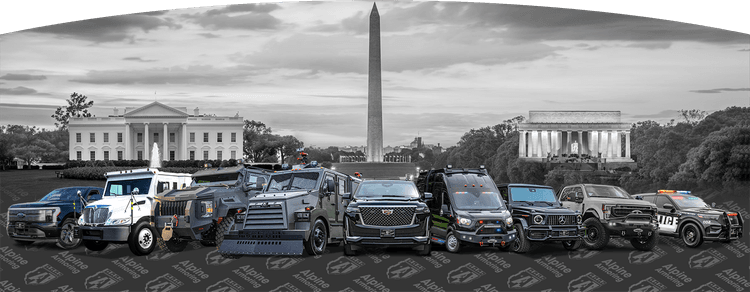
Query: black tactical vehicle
611,211
300,209
688,217
538,217
206,209
466,208
387,213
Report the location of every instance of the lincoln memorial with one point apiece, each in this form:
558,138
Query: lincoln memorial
596,136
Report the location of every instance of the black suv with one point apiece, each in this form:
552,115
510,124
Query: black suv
387,213
688,217
538,217
466,208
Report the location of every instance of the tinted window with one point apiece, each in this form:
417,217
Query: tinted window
387,189
301,180
61,195
477,200
232,177
124,187
689,201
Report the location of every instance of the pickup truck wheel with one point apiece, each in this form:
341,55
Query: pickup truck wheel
691,235
571,244
645,244
452,243
316,244
95,245
596,235
142,240
426,250
348,251
223,227
522,244
176,245
66,239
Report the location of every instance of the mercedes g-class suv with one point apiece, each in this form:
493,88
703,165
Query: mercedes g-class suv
539,217
688,217
466,208
387,213
53,218
205,210
300,209
611,211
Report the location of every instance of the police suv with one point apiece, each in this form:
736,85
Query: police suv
688,217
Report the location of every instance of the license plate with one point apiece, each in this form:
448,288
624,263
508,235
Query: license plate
20,225
387,233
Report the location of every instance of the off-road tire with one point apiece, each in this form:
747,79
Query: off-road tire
646,245
572,244
691,235
426,250
450,245
316,243
596,236
140,241
66,240
522,244
176,245
348,250
160,243
95,245
222,228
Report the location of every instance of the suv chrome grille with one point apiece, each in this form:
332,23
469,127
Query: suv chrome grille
95,215
622,211
561,220
170,208
387,216
265,216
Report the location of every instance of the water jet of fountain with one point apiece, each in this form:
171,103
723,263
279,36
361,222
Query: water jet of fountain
155,157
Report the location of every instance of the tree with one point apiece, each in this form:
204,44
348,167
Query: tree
77,107
256,144
722,158
693,116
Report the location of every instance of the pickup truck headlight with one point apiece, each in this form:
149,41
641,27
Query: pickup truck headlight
302,216
538,219
464,221
207,209
125,221
422,209
509,220
48,214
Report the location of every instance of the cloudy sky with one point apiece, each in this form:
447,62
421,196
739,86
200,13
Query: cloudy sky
447,67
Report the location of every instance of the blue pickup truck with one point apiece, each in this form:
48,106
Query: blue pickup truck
52,218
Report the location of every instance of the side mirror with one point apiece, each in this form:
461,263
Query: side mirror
668,206
134,192
713,204
428,196
330,186
346,196
445,210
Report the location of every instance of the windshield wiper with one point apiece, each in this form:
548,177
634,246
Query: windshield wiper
548,203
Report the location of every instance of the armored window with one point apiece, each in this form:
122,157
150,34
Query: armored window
92,155
205,155
119,155
192,155
106,137
172,137
92,137
219,137
139,137
106,155
78,155
218,155
171,155
234,137
205,138
119,137
78,137
192,137
342,186
661,200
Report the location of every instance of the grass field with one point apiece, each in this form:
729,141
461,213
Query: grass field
18,186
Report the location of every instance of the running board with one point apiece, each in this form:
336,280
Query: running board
261,247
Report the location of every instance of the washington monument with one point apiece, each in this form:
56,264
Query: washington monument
374,93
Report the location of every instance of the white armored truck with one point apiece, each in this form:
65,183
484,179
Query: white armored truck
123,215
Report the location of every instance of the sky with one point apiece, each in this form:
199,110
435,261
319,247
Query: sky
448,67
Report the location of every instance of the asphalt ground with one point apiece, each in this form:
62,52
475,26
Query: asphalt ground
549,267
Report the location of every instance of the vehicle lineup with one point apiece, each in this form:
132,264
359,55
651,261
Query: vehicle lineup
275,209
689,218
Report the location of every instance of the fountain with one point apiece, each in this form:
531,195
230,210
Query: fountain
155,157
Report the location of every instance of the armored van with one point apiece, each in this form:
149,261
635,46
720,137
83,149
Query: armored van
123,215
387,213
52,218
205,210
539,217
466,208
300,209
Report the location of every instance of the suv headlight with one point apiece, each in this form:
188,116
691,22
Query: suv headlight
579,219
463,221
422,209
538,219
124,221
207,209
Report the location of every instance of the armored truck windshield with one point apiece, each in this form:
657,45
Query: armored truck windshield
607,191
293,181
223,177
124,187
389,189
531,195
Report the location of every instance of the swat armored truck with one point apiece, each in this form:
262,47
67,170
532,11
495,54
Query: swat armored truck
611,211
539,217
300,209
123,215
466,208
387,213
688,217
206,209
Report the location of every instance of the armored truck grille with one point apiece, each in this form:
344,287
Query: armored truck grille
265,216
561,220
95,215
387,216
622,211
172,208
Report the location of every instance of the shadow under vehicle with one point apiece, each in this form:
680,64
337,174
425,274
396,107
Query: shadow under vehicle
689,218
387,213
300,209
539,217
52,218
466,208
611,211
205,210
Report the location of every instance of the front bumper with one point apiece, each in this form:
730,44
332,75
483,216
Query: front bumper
627,228
558,232
263,242
406,235
34,231
185,227
104,233
499,239
723,232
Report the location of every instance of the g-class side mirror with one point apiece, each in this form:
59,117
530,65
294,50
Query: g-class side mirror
427,196
346,196
445,210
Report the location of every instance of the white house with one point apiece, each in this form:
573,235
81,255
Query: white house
179,135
